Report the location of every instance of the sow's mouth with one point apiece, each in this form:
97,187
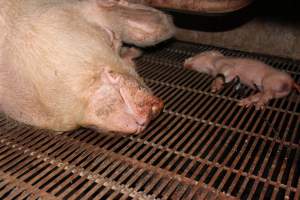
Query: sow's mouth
133,119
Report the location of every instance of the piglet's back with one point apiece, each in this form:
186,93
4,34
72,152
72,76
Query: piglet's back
251,66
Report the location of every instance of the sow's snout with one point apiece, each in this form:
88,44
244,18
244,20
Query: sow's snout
141,103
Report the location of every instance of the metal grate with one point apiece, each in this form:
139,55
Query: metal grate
203,146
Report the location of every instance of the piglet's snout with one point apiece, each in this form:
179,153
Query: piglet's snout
188,63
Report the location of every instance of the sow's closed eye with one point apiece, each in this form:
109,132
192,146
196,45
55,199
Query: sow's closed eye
113,77
122,81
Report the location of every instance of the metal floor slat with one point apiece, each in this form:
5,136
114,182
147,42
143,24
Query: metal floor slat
203,146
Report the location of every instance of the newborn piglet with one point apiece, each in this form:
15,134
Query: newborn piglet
270,83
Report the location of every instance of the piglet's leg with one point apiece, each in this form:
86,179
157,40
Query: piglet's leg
265,98
217,84
251,100
259,100
275,86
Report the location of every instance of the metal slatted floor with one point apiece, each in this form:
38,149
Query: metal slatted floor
203,146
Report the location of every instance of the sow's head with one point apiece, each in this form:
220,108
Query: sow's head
121,103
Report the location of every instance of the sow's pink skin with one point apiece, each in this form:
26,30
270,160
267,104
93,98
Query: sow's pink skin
62,64
271,83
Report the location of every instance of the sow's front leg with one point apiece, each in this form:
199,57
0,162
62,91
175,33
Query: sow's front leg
128,54
136,24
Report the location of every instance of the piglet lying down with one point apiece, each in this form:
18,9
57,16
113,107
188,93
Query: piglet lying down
62,66
270,82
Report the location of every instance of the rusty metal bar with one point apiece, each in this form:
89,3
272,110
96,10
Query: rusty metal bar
203,146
